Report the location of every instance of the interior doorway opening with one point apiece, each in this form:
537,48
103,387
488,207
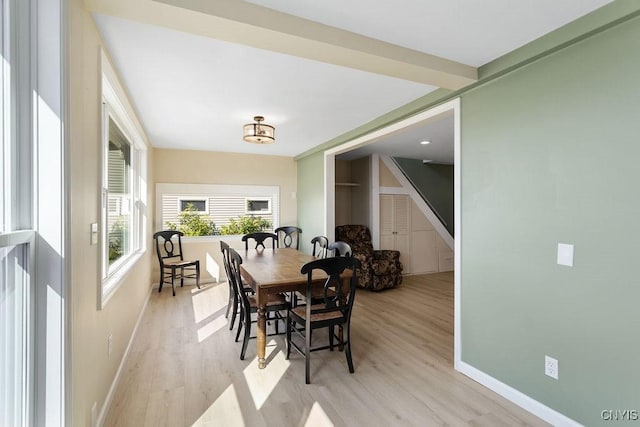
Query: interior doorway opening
384,143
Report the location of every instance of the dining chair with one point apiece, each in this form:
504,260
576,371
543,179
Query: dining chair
260,238
334,310
320,244
233,304
171,260
340,249
320,250
249,303
289,236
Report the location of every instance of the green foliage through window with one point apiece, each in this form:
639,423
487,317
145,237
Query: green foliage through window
192,223
245,224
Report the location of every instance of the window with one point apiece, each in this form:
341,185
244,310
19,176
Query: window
258,206
124,194
217,205
119,194
196,205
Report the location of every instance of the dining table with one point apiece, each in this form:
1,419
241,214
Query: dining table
273,271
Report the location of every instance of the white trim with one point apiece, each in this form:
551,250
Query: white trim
457,226
260,199
527,403
204,199
374,215
407,188
114,384
117,108
330,196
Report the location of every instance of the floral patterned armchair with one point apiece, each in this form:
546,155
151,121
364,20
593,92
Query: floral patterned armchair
379,269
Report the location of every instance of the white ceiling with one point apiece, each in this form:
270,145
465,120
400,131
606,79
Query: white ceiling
194,91
406,142
473,32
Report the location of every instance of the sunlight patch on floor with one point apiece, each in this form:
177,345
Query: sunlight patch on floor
211,328
261,382
225,411
317,417
209,300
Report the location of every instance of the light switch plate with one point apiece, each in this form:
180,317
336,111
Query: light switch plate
94,233
565,254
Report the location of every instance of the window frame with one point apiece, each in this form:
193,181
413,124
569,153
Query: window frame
113,109
204,199
258,199
207,190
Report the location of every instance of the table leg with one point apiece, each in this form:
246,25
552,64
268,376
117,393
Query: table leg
262,337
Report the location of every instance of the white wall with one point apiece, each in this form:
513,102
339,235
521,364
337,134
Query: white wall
92,370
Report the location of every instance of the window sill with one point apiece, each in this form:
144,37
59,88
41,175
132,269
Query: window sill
112,283
215,238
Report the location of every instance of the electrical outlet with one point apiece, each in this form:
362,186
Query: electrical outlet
109,345
551,367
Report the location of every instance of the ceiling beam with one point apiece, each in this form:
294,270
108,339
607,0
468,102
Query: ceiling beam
248,24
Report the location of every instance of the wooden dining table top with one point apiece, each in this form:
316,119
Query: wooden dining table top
274,267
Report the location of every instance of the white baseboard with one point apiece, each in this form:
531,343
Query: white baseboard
107,403
536,408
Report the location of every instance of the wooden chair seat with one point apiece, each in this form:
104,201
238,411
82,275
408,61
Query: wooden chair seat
178,263
273,300
301,314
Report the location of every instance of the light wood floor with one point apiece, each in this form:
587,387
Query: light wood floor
184,368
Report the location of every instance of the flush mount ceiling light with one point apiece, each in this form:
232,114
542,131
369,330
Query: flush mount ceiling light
258,132
425,142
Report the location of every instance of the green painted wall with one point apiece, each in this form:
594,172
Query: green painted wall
550,150
435,182
550,154
311,198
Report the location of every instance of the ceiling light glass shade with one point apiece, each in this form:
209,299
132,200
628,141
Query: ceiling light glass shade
259,133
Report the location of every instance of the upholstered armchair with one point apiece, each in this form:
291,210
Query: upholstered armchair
379,269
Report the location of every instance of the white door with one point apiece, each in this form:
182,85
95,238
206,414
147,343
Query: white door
395,226
387,240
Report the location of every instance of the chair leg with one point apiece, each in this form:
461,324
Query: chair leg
198,274
288,337
347,350
181,277
331,334
247,335
229,303
161,279
241,322
173,280
307,354
234,301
